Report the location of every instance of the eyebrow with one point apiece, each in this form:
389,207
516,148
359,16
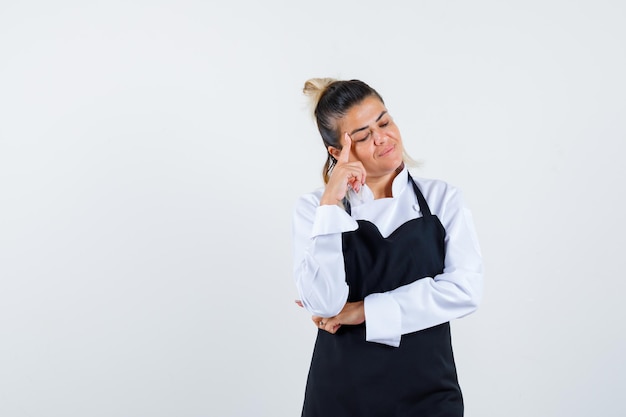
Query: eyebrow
365,127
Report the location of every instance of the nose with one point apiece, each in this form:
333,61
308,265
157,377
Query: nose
379,137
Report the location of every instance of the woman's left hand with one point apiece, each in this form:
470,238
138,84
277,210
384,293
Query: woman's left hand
351,314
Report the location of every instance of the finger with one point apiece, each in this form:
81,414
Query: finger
363,173
318,321
354,183
333,329
346,143
356,178
299,303
331,325
326,323
357,170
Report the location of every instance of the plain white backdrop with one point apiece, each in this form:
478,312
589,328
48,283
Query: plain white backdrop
151,153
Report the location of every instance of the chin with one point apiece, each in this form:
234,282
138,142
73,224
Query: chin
393,163
390,166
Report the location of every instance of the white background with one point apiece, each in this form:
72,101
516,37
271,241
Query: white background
151,153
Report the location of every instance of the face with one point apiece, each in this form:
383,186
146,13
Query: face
376,140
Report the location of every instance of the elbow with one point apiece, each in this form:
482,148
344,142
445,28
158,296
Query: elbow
323,301
463,290
472,305
473,293
322,293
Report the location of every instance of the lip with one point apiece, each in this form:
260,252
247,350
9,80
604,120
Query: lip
387,151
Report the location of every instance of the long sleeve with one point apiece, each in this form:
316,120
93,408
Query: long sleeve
319,265
433,300
318,257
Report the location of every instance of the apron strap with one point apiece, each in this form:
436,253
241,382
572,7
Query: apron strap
346,205
420,198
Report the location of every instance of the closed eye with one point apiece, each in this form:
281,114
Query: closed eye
363,139
384,122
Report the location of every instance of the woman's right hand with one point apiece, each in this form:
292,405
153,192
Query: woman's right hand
345,175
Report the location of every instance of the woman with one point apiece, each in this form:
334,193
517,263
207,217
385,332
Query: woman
383,261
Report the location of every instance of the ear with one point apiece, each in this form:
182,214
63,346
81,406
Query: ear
334,152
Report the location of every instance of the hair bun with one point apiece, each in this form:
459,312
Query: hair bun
314,88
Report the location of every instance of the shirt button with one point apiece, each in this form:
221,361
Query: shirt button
416,207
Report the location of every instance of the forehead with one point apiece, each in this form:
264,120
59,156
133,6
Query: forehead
363,114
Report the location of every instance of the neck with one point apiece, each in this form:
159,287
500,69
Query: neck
382,186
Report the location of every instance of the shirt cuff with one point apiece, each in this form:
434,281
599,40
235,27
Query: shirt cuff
383,322
331,219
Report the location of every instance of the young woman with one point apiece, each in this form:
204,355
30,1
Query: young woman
383,261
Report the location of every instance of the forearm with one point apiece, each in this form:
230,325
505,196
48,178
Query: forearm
319,271
430,301
320,277
422,304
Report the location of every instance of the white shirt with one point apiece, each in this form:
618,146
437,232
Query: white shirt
319,265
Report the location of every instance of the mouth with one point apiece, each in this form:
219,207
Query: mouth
387,151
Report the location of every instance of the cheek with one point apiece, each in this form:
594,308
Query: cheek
395,133
360,152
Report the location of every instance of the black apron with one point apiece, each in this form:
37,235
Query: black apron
354,378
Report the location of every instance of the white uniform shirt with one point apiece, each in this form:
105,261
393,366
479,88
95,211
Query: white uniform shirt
319,266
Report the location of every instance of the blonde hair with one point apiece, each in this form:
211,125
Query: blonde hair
314,88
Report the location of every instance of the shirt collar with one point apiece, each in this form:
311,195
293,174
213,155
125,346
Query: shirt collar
365,195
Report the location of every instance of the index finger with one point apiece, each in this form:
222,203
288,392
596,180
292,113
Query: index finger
346,144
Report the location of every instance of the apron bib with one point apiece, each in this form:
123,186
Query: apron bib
354,378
